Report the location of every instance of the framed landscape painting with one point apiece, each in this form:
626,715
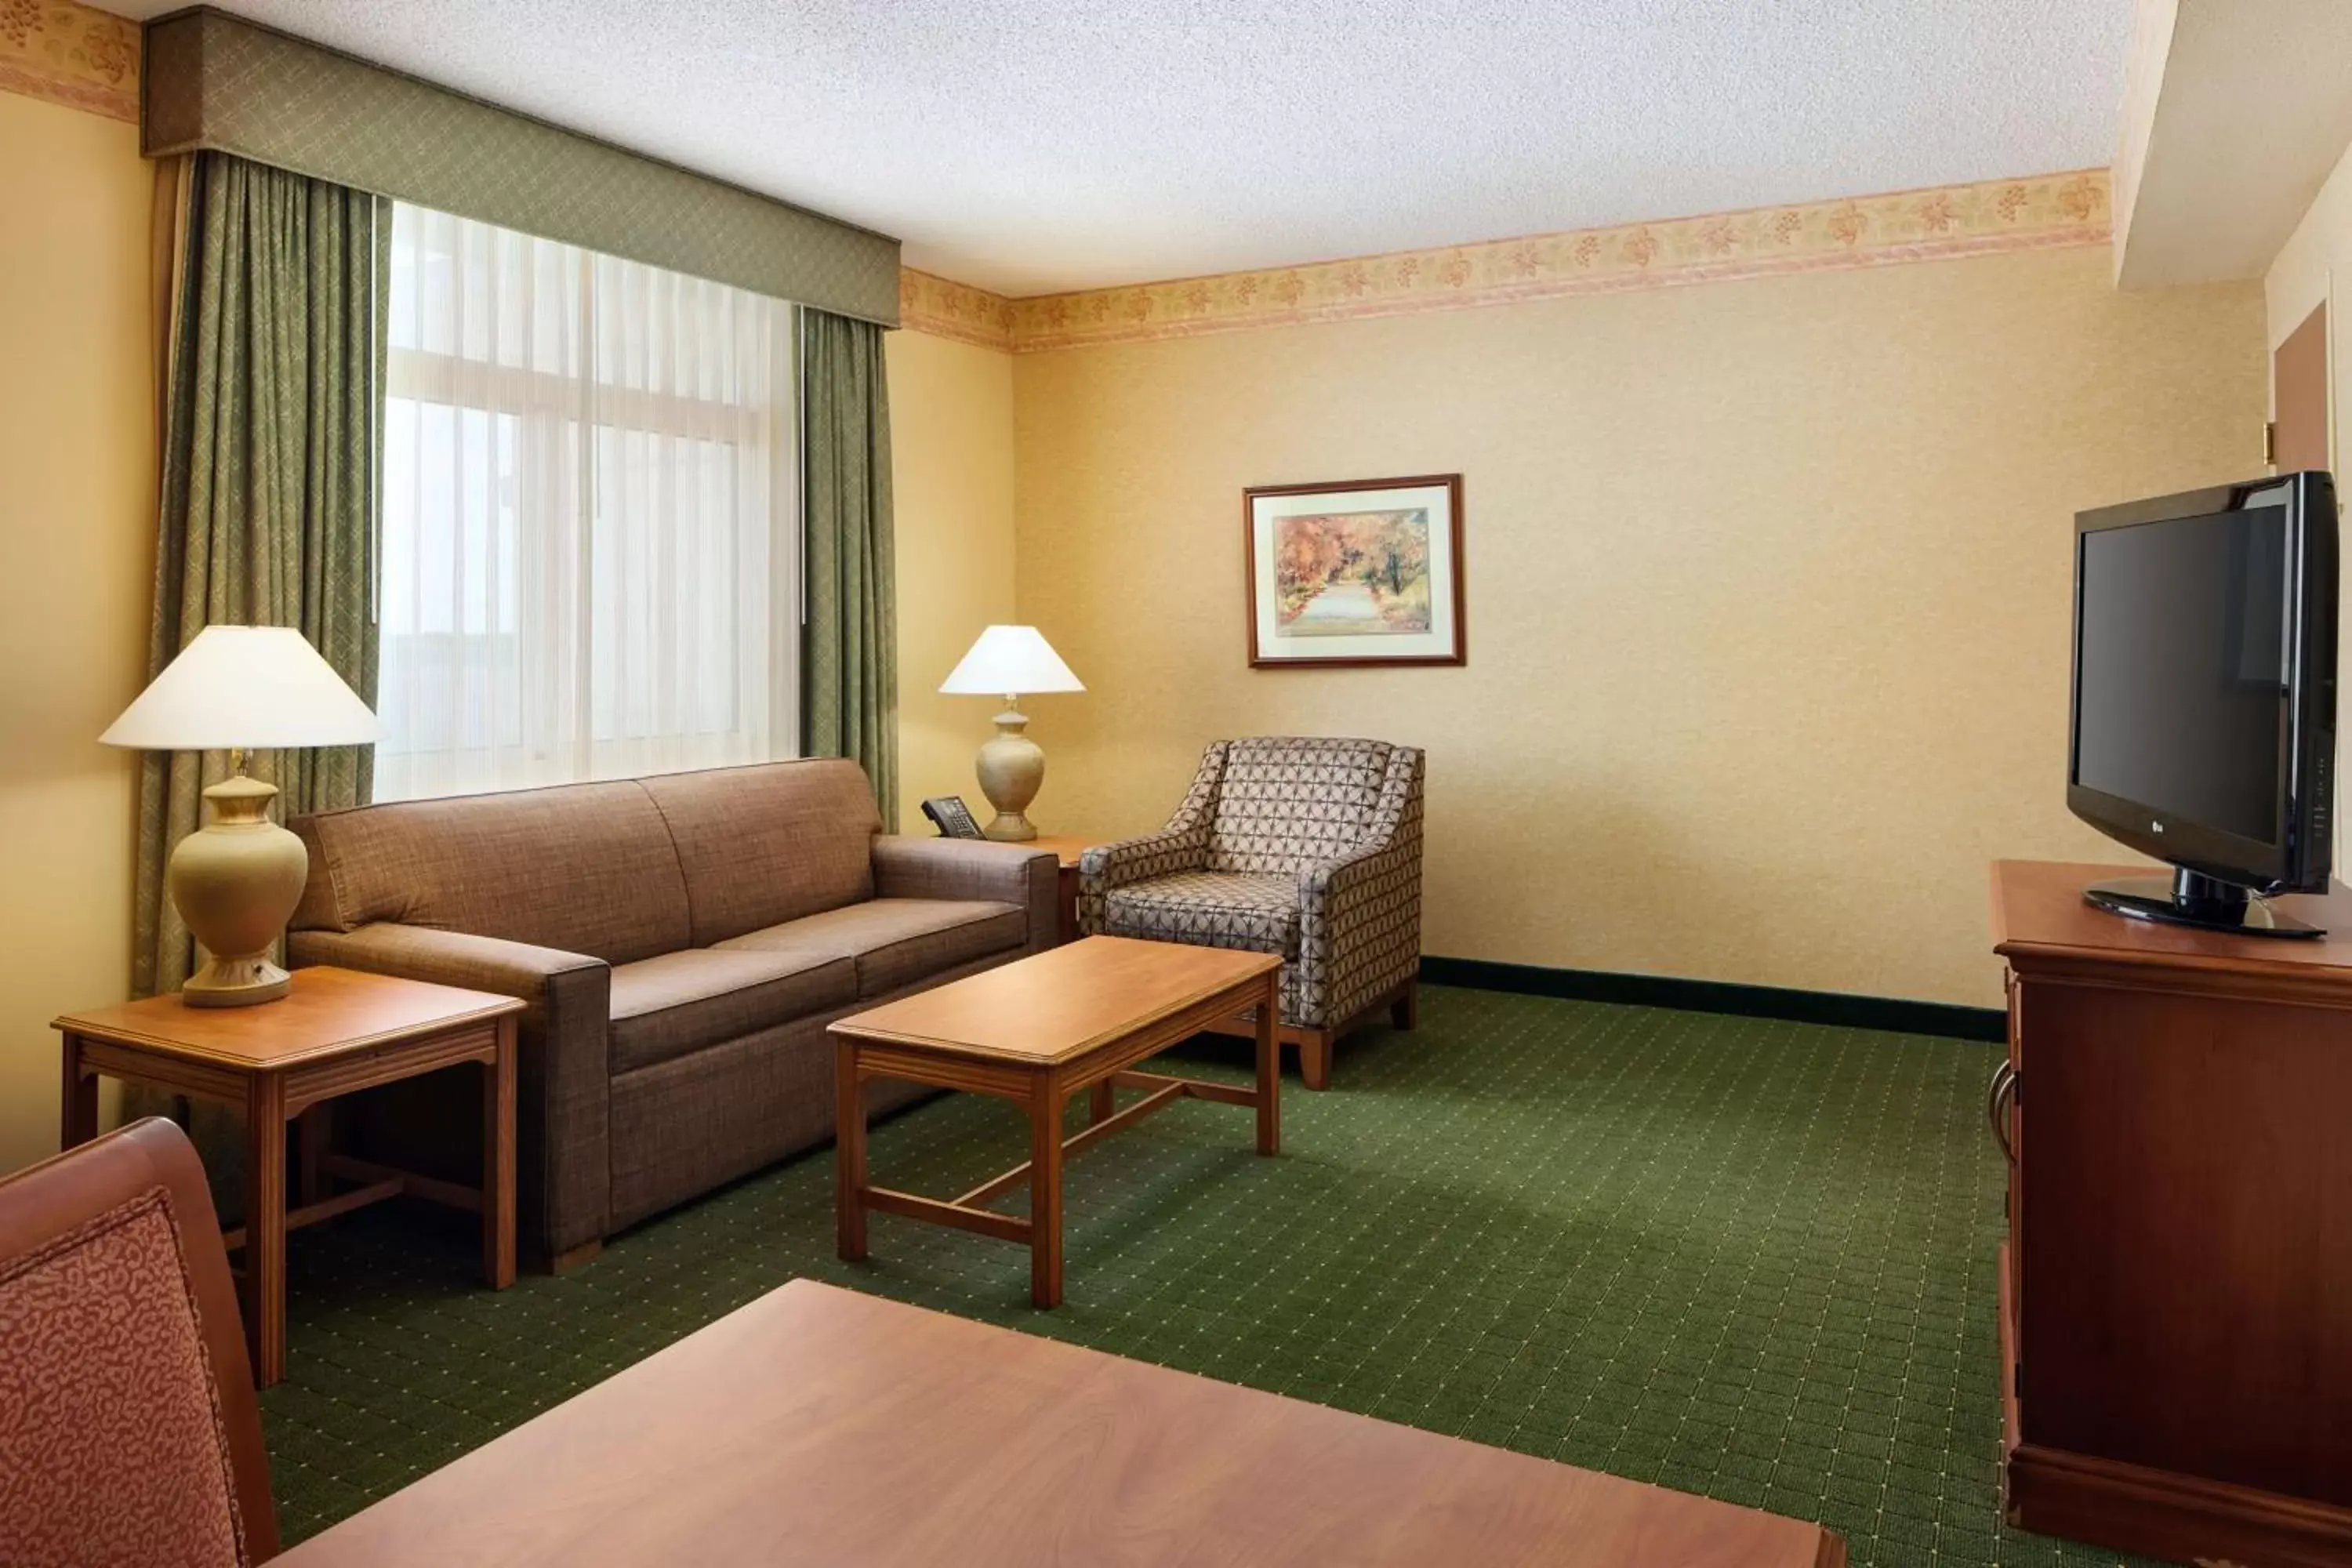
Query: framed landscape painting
1367,572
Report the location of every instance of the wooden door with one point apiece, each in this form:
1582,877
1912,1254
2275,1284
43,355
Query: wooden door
2299,396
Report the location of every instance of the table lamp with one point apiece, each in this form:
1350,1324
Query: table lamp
1007,661
236,880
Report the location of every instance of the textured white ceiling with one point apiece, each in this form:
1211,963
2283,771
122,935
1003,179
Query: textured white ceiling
1030,147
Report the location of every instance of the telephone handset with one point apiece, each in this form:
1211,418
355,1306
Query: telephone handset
952,817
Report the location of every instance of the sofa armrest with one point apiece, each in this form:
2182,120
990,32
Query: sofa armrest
445,957
563,1077
1359,914
908,867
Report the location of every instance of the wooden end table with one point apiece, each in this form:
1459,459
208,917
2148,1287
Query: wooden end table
1035,1031
336,1031
1066,847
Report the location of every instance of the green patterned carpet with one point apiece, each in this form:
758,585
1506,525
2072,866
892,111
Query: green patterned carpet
1748,1258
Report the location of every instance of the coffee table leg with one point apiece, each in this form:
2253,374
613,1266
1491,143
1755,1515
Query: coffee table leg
498,1161
265,1226
1269,1067
848,1153
1045,1191
1100,1101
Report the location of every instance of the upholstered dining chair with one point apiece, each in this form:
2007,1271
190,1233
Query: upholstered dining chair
1306,847
129,1431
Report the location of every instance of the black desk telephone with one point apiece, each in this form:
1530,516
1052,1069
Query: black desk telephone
952,817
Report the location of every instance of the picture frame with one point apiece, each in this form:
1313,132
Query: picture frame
1357,572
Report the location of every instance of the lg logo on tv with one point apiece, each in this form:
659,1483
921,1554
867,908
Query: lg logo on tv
2156,826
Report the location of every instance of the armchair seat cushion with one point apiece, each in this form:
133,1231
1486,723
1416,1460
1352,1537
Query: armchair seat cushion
679,1003
893,942
1209,909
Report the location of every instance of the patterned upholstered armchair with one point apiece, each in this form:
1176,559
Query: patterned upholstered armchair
1307,847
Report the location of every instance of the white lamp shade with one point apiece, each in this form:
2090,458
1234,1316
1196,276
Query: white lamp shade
1008,661
261,687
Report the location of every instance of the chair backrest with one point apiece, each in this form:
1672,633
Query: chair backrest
1286,801
129,1431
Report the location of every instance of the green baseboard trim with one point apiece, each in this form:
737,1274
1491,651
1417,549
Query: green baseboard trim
1836,1009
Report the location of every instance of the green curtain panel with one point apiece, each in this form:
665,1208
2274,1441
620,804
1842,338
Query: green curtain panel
849,654
271,427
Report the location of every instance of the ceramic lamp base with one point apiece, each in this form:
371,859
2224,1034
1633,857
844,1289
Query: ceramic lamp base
1012,770
235,882
236,982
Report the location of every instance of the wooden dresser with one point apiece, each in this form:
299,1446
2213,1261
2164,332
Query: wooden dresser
2176,1292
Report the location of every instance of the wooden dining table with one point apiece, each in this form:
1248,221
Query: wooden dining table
821,1425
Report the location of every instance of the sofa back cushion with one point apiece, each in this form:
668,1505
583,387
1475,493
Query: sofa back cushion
1286,802
770,843
585,869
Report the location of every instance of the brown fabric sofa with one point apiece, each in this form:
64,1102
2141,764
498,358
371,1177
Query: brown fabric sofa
683,940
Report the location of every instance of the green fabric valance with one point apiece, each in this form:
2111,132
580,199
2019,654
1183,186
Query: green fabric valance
216,82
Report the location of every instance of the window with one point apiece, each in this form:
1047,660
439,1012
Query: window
589,511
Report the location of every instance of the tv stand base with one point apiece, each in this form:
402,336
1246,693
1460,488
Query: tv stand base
2191,899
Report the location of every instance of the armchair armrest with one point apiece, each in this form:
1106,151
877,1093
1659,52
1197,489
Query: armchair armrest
1181,846
1148,855
906,866
563,1077
1359,914
1107,865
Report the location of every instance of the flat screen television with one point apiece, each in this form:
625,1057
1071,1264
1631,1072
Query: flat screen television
2204,711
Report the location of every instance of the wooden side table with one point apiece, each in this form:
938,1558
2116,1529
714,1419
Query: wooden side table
1067,847
338,1030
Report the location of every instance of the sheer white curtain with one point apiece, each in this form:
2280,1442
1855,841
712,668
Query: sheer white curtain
590,523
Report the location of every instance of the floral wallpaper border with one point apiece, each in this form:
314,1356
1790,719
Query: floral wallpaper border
945,308
1983,218
70,54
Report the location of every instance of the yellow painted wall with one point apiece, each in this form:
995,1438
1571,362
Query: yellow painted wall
1768,588
76,531
951,475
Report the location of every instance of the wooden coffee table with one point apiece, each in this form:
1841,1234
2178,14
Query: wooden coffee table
336,1031
1035,1031
820,1426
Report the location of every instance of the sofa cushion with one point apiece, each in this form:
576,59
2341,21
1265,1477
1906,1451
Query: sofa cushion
585,869
1209,909
763,845
895,941
1285,802
680,1003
